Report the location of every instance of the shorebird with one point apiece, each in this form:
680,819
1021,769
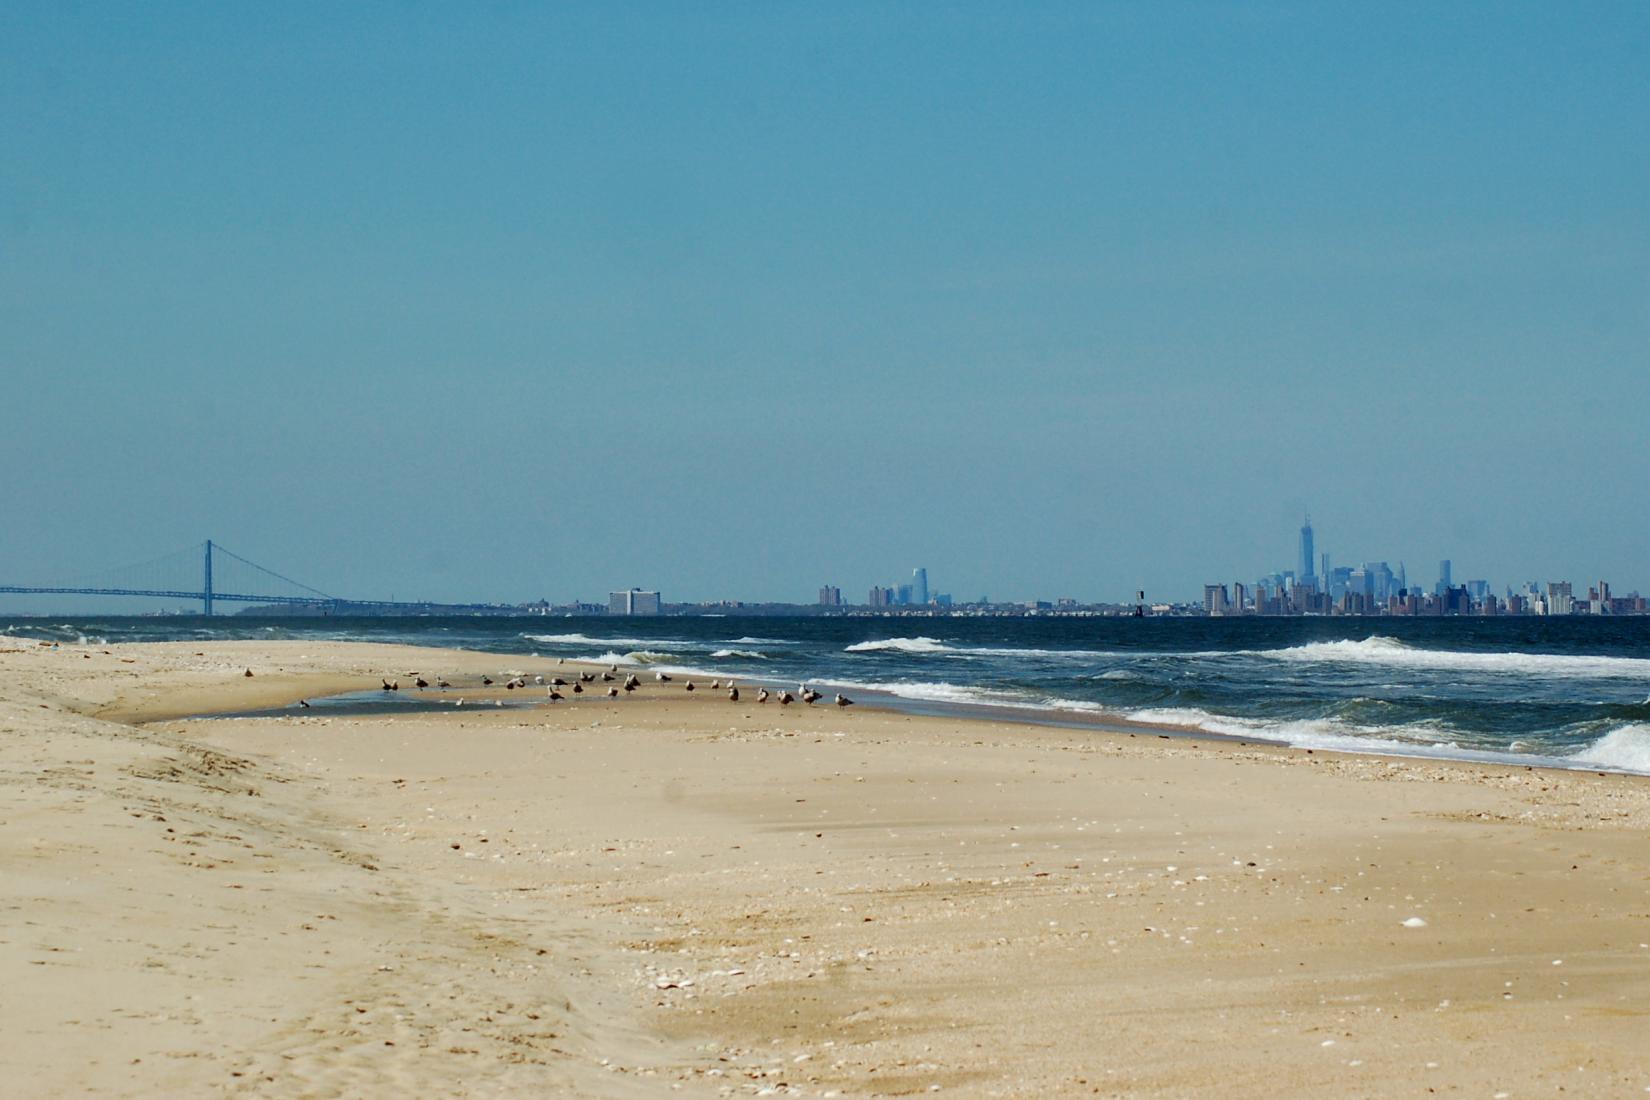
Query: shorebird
248,672
557,681
555,696
733,693
304,703
661,677
486,681
690,685
811,697
578,689
761,695
587,677
441,682
843,701
608,677
714,684
612,693
785,698
539,680
421,682
632,682
459,703
390,685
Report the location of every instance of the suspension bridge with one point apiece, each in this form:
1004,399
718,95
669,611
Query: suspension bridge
224,577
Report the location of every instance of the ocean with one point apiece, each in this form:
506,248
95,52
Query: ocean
1570,692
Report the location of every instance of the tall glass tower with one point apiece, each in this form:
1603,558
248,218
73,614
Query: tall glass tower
1306,573
919,585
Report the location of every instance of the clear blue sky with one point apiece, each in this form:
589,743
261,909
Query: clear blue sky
500,301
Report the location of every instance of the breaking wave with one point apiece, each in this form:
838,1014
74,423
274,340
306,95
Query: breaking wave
1393,653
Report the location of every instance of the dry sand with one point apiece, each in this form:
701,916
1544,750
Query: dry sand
673,892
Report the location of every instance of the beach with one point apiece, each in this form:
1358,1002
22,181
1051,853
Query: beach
672,892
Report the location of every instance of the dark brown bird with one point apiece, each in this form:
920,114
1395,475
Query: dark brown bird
608,677
578,689
304,703
761,695
249,672
843,701
690,685
733,693
421,682
487,681
555,696
612,693
391,685
661,677
786,698
811,697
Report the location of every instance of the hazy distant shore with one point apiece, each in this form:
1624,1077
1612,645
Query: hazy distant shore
611,897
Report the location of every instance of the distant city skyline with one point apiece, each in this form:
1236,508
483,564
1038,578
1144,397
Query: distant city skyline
1372,587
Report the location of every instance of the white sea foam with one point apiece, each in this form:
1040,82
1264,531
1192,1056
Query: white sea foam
643,643
902,645
749,654
1392,653
925,645
1625,749
964,695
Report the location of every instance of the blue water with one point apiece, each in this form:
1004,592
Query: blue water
1572,691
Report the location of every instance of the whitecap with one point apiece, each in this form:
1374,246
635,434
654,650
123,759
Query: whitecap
1390,652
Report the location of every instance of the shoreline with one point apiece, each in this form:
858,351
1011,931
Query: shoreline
1616,745
676,894
286,693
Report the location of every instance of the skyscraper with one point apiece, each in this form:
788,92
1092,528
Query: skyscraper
919,586
1306,573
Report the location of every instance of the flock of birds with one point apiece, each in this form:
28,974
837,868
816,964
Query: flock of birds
631,683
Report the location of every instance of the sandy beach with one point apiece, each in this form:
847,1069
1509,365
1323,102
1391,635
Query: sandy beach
675,893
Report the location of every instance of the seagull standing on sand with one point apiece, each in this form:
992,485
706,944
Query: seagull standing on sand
391,685
578,689
421,682
811,697
733,693
843,701
304,703
761,695
690,685
555,696
612,693
661,677
785,698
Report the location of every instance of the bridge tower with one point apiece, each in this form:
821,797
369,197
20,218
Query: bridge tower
206,588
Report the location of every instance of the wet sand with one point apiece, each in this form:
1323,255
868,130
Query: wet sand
673,893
